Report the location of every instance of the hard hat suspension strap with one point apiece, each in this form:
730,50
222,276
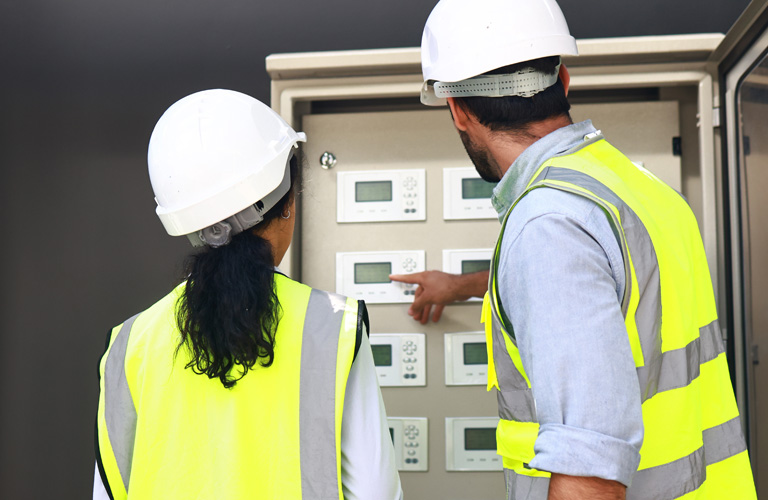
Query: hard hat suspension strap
524,83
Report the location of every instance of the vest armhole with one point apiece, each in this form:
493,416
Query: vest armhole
362,322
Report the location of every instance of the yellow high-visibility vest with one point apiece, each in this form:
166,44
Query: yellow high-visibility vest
164,432
693,445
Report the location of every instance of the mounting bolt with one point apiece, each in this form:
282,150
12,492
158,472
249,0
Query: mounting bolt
328,160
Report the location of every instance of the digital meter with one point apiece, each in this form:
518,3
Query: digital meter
466,195
365,275
381,195
470,444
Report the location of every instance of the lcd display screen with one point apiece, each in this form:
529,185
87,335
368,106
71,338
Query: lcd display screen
475,353
476,439
373,191
372,272
475,189
473,266
382,354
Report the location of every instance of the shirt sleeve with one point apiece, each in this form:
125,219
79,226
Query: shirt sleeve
559,285
368,470
99,491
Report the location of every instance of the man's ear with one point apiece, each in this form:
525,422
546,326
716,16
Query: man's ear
460,118
565,77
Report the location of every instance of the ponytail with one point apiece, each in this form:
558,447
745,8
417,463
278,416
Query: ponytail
229,311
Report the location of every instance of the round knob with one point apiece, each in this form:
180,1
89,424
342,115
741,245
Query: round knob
328,160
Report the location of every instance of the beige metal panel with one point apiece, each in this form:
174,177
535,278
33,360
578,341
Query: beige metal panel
381,141
642,131
401,140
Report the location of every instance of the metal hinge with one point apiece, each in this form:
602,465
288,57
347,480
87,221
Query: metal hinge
715,117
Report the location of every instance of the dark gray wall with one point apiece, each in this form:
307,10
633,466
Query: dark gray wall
82,83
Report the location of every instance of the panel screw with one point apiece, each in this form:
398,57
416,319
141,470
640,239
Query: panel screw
328,160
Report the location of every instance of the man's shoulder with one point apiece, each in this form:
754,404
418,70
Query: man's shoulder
543,201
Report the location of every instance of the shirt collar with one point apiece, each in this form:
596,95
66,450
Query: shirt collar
519,175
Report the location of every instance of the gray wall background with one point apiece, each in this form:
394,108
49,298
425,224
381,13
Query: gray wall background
82,83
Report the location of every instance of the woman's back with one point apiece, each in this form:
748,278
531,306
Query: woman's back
196,439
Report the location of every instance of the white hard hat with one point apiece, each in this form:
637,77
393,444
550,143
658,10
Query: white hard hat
214,154
464,39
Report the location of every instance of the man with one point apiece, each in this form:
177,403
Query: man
610,373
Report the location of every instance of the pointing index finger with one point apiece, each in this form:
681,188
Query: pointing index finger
406,278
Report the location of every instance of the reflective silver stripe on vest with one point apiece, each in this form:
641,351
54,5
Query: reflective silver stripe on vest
514,397
521,487
517,405
119,411
720,443
711,342
724,441
680,367
508,379
317,404
648,313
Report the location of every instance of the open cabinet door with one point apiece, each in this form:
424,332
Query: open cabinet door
742,61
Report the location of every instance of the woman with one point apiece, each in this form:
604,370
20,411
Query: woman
241,383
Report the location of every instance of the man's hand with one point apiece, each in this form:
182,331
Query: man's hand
437,288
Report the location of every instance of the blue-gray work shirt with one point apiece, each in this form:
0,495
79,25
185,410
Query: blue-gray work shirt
561,282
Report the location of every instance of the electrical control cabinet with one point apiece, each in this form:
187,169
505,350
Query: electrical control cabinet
400,358
355,220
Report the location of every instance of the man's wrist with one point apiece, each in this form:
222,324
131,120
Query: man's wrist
471,285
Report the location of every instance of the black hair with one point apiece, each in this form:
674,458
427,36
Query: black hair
515,113
229,311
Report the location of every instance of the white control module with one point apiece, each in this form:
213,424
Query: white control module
466,359
381,195
466,195
365,275
400,359
409,435
470,444
467,261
